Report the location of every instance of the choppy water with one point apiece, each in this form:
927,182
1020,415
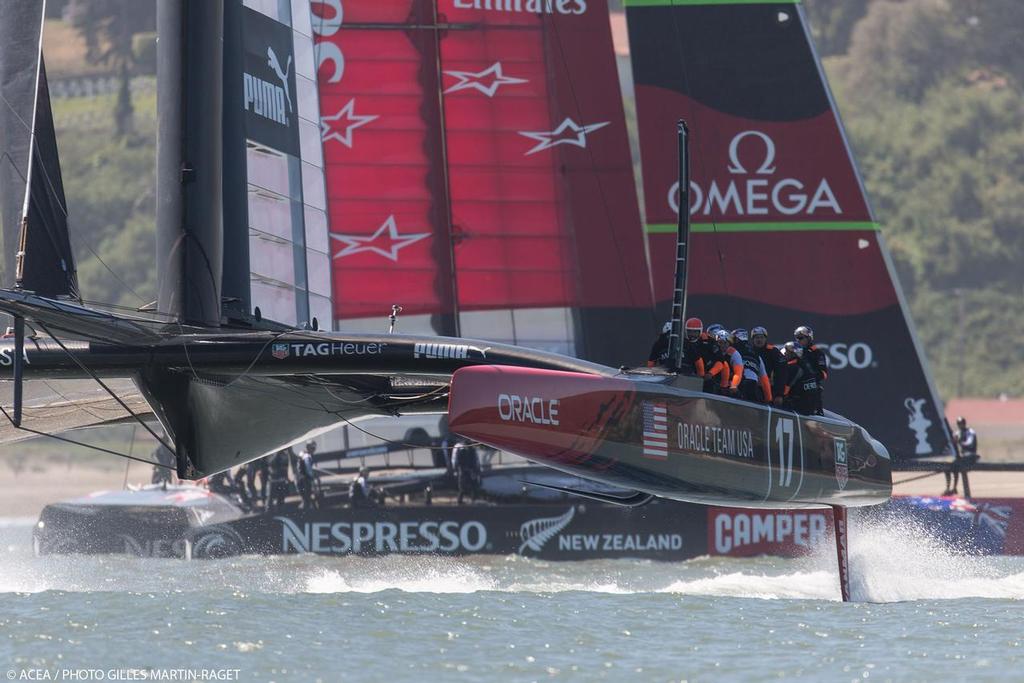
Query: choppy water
927,614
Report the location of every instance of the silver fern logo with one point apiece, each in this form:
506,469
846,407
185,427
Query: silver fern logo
218,540
536,532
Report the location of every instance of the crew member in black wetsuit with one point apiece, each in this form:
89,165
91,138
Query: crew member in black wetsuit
360,493
804,336
279,464
770,355
658,356
801,391
163,475
259,467
966,455
306,475
754,384
466,462
240,488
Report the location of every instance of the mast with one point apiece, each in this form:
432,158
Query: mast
682,239
190,215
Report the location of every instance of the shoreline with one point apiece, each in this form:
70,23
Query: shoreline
27,492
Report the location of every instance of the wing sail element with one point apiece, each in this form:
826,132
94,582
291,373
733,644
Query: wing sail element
33,210
478,170
782,231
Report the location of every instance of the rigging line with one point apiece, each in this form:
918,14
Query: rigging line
274,390
921,476
83,444
700,148
84,408
14,111
54,305
593,162
99,381
79,240
399,443
131,449
184,348
11,163
255,357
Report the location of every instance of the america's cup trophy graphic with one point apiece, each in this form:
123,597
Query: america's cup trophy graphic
919,424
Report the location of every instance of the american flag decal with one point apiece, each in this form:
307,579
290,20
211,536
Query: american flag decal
655,430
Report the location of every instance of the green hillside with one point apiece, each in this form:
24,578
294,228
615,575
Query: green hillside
931,95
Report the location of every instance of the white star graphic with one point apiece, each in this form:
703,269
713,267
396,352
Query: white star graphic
355,244
329,130
547,139
469,79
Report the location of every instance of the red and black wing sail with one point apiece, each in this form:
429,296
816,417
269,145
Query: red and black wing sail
477,160
783,233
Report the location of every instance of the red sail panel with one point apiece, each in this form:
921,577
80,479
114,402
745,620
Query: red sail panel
783,234
543,210
384,171
507,207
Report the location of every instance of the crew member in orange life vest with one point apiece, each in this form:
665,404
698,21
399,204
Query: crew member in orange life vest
728,364
697,348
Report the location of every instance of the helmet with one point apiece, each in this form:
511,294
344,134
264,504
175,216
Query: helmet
311,444
740,334
722,336
667,327
803,331
961,422
793,349
760,329
693,328
713,328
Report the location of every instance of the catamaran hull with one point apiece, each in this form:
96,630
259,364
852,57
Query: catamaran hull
649,436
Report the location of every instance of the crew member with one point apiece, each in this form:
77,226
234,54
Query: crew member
360,494
801,391
770,355
279,464
439,454
711,382
259,467
163,473
466,462
753,384
804,336
660,350
966,456
220,483
241,472
698,351
307,475
728,364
